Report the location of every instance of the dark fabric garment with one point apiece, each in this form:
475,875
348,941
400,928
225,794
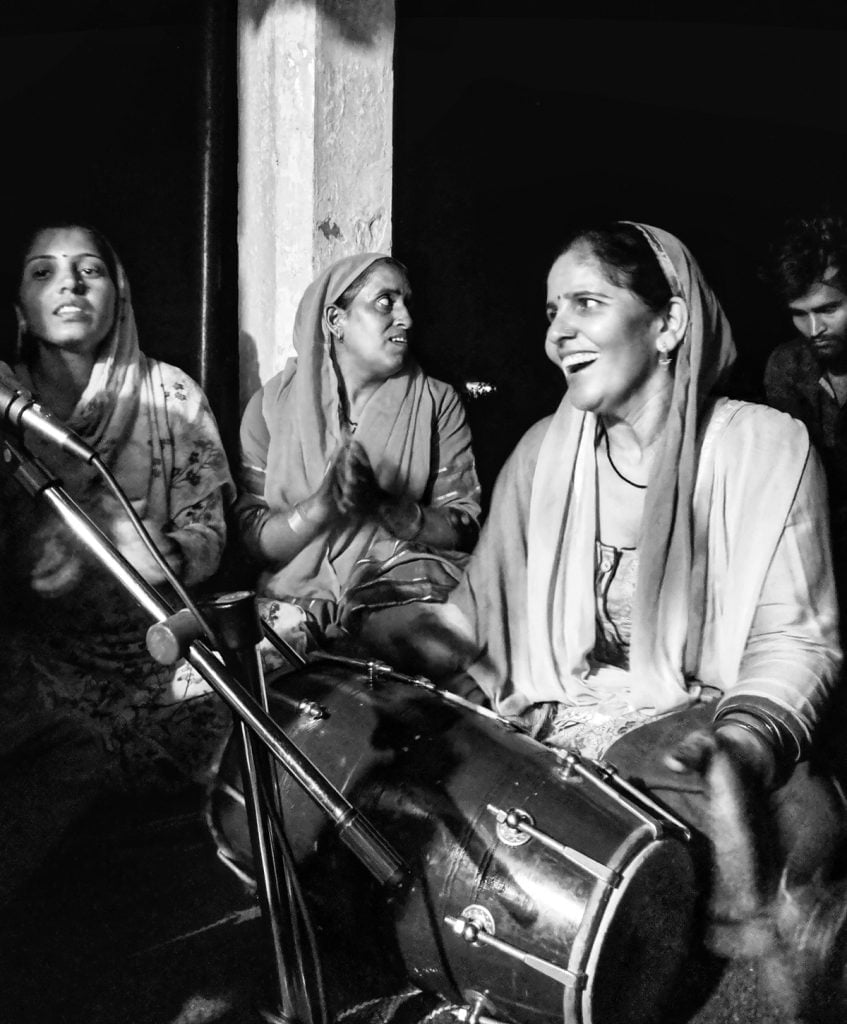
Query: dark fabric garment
793,385
51,773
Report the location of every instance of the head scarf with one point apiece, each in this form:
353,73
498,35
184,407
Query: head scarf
301,407
563,499
703,360
149,423
531,598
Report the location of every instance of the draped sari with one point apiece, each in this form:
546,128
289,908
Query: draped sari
72,634
734,588
414,433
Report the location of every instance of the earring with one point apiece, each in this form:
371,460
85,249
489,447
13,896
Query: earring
664,357
22,327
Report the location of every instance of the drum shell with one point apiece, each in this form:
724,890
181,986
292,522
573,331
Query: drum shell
431,777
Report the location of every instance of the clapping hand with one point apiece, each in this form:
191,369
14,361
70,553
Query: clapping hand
354,487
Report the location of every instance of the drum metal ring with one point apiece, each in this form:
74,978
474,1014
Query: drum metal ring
481,917
510,836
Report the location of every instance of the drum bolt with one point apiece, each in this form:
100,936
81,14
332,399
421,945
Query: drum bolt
515,819
377,669
474,919
477,1005
311,709
568,769
511,825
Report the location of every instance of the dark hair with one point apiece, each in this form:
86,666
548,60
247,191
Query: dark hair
808,248
100,240
352,290
627,259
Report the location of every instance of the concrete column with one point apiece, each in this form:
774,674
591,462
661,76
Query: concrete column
315,156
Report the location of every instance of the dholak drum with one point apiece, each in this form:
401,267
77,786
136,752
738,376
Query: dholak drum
542,882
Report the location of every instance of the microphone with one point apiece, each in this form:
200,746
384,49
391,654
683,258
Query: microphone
20,412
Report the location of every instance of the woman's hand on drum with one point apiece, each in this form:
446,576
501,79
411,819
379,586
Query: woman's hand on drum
752,758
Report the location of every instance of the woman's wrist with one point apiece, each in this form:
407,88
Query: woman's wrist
405,520
752,747
773,736
308,516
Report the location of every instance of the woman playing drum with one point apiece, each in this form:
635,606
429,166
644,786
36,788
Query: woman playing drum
654,581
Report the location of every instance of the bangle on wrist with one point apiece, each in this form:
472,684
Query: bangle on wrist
297,522
766,737
414,529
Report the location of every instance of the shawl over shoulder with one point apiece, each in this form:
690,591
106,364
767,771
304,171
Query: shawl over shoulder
759,513
151,425
413,430
734,585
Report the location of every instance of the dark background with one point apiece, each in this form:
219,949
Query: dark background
713,124
100,113
105,113
511,123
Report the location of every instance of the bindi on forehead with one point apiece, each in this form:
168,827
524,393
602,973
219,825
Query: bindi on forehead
63,256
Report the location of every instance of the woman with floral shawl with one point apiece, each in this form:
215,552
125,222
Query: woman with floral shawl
75,642
359,490
654,582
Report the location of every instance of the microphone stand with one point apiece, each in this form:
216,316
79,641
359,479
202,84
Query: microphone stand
354,829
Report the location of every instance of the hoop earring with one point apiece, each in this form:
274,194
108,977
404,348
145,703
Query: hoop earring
664,357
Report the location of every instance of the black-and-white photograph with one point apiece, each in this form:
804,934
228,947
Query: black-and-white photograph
423,513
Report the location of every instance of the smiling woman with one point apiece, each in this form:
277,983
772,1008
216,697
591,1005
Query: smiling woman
358,485
653,584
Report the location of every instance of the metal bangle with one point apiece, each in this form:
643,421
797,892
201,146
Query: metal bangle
767,734
783,741
411,534
296,521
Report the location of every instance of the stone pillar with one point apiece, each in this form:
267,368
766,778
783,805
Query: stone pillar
315,96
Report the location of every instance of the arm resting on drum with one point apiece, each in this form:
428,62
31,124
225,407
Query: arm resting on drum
792,656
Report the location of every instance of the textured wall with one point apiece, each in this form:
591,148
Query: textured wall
315,138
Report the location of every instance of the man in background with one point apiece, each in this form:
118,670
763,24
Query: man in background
807,376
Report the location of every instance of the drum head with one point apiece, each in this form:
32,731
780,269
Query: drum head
636,962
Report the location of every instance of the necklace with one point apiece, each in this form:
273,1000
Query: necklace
626,480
